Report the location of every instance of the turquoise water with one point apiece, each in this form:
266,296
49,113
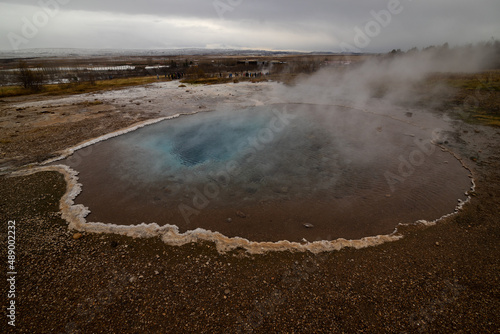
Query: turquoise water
271,148
208,138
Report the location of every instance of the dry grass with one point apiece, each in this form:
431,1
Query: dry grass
78,88
475,97
485,81
206,81
492,120
285,78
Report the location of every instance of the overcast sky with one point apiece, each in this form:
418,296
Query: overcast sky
316,25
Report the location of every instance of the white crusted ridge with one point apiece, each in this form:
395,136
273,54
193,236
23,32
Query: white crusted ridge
75,215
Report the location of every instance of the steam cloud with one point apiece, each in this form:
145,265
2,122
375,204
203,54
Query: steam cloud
394,77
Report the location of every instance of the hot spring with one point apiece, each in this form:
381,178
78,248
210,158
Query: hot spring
282,172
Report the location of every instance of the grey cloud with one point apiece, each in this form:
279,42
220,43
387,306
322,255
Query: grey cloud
236,9
324,23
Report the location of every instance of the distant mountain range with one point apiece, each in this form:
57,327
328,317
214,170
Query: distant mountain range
86,53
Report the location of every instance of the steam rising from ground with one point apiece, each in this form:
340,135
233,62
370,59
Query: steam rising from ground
395,77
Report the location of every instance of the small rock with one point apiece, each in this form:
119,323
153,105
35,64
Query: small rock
132,279
241,214
227,291
229,220
77,236
307,225
437,243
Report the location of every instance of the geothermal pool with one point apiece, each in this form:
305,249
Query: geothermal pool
282,172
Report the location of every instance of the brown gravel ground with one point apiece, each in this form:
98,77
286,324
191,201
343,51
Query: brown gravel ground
38,132
442,279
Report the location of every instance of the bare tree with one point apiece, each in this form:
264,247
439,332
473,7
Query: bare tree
89,76
3,78
30,78
196,72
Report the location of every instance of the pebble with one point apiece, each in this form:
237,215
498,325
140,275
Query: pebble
77,236
229,220
241,214
307,225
